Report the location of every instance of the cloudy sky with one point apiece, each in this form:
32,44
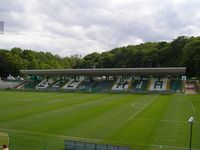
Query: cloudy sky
68,27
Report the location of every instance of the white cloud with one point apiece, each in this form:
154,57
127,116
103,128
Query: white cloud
67,27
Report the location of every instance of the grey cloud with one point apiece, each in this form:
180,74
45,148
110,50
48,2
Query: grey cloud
69,27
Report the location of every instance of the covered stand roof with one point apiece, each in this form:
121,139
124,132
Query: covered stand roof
107,71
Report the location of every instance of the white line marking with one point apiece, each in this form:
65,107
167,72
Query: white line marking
196,112
165,120
36,133
137,112
193,107
91,139
66,137
169,146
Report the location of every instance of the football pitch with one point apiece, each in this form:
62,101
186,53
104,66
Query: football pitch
40,120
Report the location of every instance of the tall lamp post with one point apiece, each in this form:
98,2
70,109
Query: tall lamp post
150,60
1,27
190,121
197,61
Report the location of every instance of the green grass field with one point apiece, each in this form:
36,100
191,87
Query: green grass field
36,121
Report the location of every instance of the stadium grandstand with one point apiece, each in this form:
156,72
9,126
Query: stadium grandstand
133,80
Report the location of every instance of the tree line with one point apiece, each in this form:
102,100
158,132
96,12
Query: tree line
181,52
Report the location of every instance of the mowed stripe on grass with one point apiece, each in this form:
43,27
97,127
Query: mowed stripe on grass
142,121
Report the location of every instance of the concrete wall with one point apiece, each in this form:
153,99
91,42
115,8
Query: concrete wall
8,84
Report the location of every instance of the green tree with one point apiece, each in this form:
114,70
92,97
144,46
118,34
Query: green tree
191,58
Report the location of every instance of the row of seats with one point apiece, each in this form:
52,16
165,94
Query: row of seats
104,85
109,85
139,85
87,85
58,84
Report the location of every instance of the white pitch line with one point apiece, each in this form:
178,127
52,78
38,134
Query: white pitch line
193,107
143,108
169,146
61,136
67,137
36,133
164,120
91,139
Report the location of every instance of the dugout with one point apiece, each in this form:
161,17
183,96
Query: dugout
78,145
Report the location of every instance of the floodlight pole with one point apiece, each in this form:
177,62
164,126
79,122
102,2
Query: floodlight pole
150,60
190,121
1,27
